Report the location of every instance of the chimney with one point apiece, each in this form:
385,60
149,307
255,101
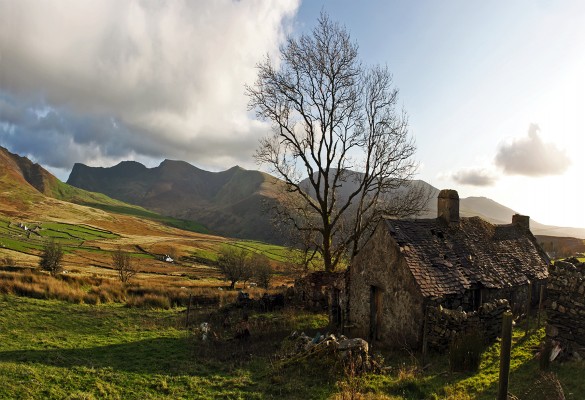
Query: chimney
448,206
521,220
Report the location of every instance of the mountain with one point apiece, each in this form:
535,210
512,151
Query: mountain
484,207
231,203
27,188
31,180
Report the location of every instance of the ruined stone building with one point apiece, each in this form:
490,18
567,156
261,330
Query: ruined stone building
450,261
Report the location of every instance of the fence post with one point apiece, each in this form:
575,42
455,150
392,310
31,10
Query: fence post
505,356
425,337
541,298
188,311
528,307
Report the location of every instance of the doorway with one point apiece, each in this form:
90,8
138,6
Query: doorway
375,312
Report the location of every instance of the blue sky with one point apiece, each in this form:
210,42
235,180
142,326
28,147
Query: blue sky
495,91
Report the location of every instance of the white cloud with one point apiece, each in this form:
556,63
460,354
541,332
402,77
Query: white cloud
474,177
530,156
159,79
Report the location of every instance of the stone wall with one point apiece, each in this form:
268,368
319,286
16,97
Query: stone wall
442,324
314,291
380,270
565,306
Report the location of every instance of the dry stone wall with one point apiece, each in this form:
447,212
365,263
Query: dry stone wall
313,291
443,324
565,306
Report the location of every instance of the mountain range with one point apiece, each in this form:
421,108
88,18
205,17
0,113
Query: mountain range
235,202
231,203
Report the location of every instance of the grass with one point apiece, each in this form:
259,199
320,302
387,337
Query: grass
72,238
137,211
53,350
82,232
97,290
56,349
409,380
100,201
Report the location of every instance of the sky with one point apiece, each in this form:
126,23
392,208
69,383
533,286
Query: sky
494,91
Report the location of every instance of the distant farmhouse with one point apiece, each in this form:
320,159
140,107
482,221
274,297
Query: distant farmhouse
458,263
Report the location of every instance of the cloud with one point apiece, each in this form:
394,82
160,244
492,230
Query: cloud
95,81
474,177
530,156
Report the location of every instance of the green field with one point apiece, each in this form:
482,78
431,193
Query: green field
70,237
53,349
137,211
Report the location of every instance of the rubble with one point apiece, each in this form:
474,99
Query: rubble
340,349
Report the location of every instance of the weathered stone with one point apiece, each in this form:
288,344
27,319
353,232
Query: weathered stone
354,345
566,306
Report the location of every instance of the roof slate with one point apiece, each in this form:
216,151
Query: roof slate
448,260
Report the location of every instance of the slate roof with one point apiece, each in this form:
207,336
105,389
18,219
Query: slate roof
448,260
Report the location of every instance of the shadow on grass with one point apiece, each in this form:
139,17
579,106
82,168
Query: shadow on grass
170,356
181,357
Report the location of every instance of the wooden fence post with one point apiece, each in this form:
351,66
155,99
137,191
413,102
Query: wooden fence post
188,312
528,307
541,298
505,356
425,336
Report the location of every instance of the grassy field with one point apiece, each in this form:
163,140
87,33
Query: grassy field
55,349
140,212
88,250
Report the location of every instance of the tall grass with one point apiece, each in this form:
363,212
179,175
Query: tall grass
96,290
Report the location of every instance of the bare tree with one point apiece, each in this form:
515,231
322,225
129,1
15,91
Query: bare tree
124,265
234,263
335,123
51,258
261,269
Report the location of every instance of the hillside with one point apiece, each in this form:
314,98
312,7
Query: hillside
231,203
26,185
484,207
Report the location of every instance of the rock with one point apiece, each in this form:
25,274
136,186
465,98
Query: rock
353,345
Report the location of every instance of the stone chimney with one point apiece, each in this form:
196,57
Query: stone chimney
448,206
521,220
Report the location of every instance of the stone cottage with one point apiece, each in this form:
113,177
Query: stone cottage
458,263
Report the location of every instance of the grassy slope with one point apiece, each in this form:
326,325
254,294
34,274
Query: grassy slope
51,349
65,192
21,197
